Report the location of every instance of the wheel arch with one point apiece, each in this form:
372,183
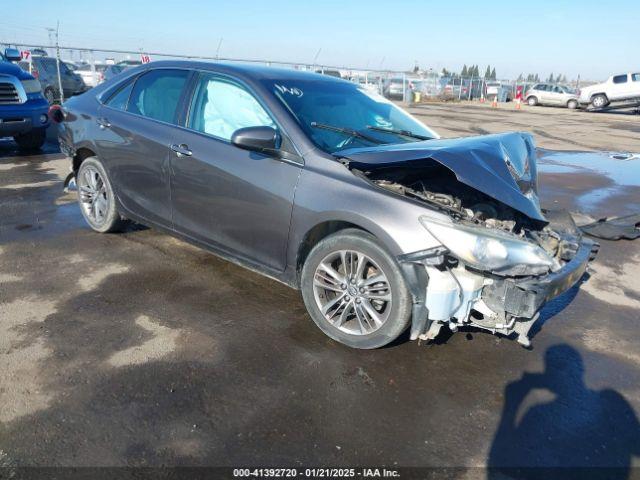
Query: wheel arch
326,227
598,93
80,156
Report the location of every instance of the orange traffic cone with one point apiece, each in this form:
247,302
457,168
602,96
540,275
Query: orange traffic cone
494,103
518,103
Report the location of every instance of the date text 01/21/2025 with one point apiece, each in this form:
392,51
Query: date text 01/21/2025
314,473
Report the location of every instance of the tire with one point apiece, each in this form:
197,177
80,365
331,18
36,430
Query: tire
50,95
599,101
32,140
96,197
532,101
353,322
572,104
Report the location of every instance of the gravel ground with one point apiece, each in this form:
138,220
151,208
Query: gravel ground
138,349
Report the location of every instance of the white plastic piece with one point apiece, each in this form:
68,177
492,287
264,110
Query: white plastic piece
449,297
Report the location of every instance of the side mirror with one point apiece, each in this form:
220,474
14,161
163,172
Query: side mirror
257,139
12,54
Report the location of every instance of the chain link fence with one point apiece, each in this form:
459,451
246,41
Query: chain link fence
66,71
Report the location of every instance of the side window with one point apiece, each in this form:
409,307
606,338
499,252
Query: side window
620,79
219,108
120,99
558,90
156,94
635,77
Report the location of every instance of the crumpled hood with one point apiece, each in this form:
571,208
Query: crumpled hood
502,166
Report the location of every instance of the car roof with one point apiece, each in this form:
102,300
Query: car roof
245,70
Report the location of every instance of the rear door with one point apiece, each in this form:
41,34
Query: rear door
233,199
137,123
557,95
545,94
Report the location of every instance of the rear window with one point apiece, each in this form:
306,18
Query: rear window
620,79
120,98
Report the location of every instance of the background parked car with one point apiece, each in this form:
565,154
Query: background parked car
500,90
548,94
91,77
617,88
23,110
46,71
129,63
394,88
111,71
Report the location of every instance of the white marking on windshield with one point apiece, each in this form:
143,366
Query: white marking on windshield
295,91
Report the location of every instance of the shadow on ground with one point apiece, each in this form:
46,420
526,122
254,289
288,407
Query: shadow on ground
573,435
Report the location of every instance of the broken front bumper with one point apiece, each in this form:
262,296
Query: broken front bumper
506,304
524,298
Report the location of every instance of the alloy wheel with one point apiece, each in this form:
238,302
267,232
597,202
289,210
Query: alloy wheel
93,195
352,292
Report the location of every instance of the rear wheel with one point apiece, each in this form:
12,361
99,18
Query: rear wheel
32,140
354,290
599,101
96,197
532,101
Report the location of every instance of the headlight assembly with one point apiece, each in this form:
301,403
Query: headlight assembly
490,250
31,86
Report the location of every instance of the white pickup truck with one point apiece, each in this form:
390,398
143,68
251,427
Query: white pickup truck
618,88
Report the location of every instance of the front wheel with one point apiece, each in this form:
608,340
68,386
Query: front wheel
96,197
599,101
32,140
354,290
572,104
532,101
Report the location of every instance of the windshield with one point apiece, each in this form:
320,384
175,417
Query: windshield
360,117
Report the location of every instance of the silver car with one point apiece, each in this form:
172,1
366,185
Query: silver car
552,95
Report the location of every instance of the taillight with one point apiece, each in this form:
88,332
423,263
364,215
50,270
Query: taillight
56,113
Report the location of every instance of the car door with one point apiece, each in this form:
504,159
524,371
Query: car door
545,94
233,199
137,123
557,95
619,87
635,85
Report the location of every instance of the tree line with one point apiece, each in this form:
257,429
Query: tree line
490,74
472,71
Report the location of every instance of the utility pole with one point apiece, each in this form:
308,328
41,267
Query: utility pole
218,49
58,62
316,57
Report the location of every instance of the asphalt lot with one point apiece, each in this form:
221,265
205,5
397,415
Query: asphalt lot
138,349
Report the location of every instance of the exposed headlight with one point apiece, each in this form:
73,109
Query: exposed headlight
31,86
489,250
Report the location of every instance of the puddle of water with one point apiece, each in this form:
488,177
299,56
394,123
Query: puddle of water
622,168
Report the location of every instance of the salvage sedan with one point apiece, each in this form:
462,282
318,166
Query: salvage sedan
329,188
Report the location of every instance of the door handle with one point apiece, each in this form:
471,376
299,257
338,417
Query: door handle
182,150
103,123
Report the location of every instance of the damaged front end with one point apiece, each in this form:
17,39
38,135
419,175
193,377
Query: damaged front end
493,282
501,257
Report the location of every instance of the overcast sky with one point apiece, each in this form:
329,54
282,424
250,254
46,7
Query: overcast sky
590,38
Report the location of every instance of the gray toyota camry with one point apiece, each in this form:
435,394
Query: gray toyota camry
329,188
